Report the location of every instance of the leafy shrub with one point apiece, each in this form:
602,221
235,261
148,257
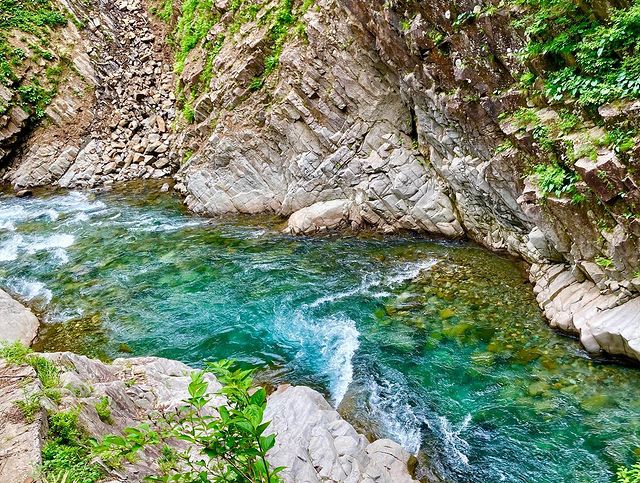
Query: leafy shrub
15,353
229,438
47,372
604,262
103,409
29,406
592,57
67,451
555,179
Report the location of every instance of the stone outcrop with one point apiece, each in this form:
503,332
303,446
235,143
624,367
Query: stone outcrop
321,446
109,121
311,437
21,441
17,323
603,321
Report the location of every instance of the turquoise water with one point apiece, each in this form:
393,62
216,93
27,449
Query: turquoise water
438,345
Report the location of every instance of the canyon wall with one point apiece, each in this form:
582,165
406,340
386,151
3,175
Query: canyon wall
345,113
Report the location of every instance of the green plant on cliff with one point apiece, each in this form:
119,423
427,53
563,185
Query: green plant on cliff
555,179
196,19
230,439
67,451
36,19
104,410
589,53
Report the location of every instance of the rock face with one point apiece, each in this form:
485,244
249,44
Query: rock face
604,322
108,122
306,426
17,323
21,441
321,446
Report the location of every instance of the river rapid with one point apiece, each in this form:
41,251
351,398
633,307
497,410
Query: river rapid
438,345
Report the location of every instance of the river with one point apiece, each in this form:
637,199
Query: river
436,344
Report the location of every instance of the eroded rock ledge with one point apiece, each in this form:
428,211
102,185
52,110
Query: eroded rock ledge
313,441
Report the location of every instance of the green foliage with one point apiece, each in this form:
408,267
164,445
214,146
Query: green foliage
15,353
604,262
504,146
47,372
229,438
103,410
36,17
555,179
29,15
567,121
188,112
29,406
629,475
165,11
67,451
196,19
525,116
620,140
36,97
593,56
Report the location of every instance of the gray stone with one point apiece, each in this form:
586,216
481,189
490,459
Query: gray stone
17,323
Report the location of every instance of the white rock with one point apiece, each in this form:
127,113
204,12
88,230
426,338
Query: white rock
17,323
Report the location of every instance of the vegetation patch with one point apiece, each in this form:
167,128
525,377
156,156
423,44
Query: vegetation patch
590,54
36,19
229,439
67,454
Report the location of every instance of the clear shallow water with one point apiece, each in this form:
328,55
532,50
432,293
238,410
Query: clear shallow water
437,345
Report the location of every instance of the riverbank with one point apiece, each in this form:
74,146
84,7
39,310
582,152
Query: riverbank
312,441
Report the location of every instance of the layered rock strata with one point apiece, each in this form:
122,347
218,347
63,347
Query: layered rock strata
111,118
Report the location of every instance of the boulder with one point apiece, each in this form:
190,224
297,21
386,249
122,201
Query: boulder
17,323
315,444
321,216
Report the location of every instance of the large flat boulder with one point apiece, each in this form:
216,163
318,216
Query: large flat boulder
17,322
321,216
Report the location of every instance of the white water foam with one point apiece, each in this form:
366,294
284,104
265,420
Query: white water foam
60,240
9,248
339,342
391,407
407,271
30,290
327,345
456,447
